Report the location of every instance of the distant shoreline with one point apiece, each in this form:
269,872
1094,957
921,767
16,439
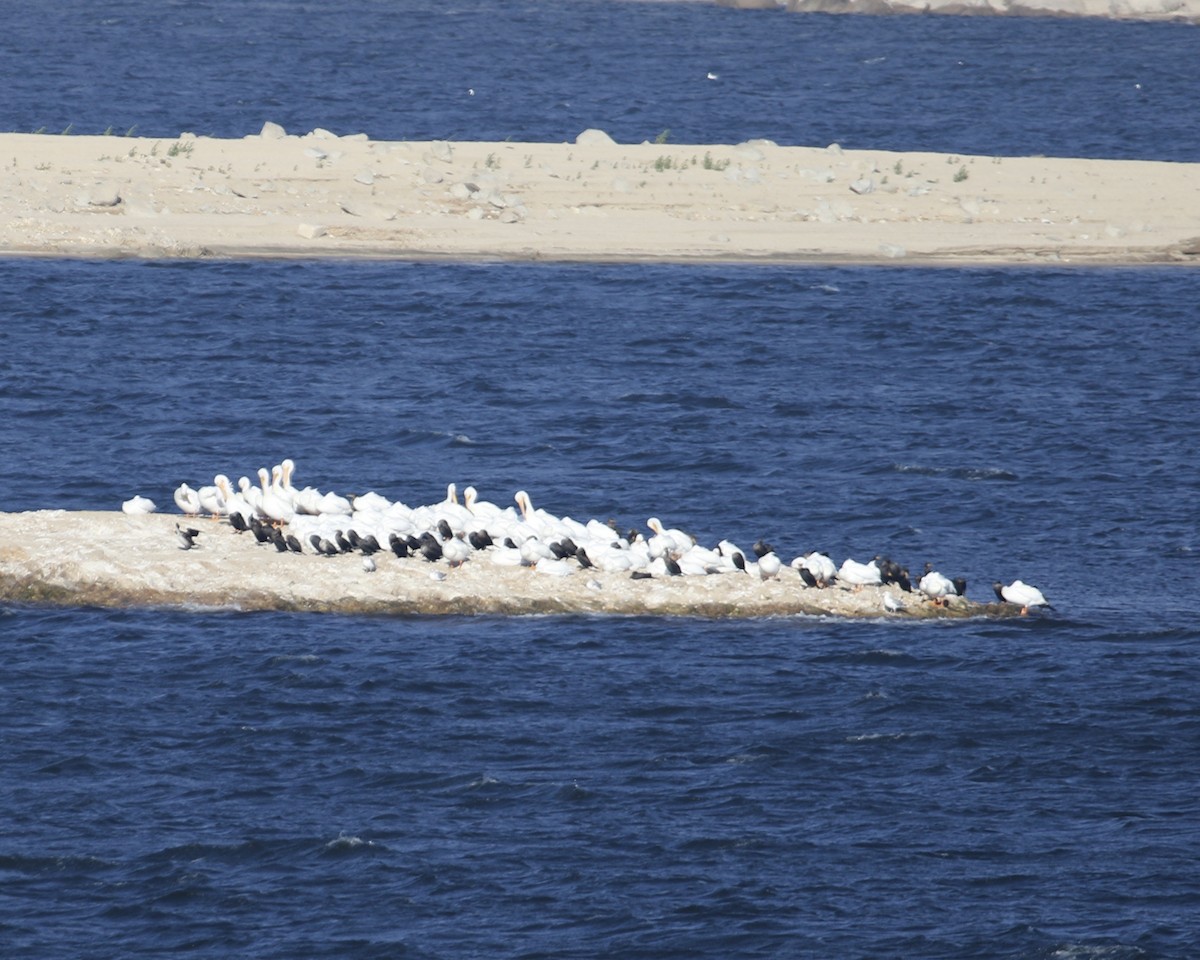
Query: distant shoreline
275,195
1173,11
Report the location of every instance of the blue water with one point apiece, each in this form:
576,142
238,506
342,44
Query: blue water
277,785
218,785
543,70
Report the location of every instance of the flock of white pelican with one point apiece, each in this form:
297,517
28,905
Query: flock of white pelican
455,531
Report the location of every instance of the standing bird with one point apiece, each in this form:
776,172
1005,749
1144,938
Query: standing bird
1023,594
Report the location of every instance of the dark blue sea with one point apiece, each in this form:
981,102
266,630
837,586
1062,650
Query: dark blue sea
220,784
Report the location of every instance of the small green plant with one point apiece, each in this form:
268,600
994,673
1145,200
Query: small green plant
663,137
898,168
67,129
663,163
711,164
492,161
961,175
179,147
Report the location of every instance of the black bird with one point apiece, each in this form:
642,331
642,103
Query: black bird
343,545
368,545
443,529
584,560
186,538
277,539
672,567
353,538
479,539
960,585
327,548
570,546
293,543
807,576
238,522
322,547
430,549
762,548
640,575
262,533
398,545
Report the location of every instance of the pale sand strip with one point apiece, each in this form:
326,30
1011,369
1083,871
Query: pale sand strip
111,559
325,196
1175,11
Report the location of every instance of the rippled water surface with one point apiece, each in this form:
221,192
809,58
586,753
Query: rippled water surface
547,69
277,785
216,785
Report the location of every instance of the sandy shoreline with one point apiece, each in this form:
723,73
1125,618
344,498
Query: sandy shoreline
111,559
1174,11
321,195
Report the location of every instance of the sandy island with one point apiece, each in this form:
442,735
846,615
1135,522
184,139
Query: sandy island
111,559
273,194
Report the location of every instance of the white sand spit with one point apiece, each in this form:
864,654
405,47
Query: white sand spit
320,195
118,560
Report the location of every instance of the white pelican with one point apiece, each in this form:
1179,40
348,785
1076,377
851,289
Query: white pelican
456,551
820,566
543,523
187,500
936,586
1020,593
138,505
234,502
273,505
676,541
553,567
769,565
860,574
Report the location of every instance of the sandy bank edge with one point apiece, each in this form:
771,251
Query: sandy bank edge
109,559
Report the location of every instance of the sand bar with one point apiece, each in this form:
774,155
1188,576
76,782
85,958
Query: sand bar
321,195
111,559
1172,11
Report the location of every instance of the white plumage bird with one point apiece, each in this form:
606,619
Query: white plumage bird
1022,594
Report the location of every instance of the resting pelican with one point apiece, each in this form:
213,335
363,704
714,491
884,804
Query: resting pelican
936,586
860,574
1021,593
769,565
187,500
138,505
